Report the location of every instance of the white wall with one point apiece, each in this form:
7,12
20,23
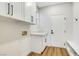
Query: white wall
11,40
62,9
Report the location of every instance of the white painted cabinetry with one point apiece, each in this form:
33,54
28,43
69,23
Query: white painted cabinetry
4,10
19,10
76,25
13,9
16,10
30,12
33,13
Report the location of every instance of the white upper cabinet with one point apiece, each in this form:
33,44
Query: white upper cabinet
30,12
23,11
11,10
27,11
16,10
76,20
33,12
4,8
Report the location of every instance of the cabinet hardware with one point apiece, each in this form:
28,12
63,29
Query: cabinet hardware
76,19
12,10
8,8
52,32
64,44
45,40
64,18
64,31
31,18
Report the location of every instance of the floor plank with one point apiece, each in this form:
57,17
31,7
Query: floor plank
45,52
64,52
49,52
59,52
52,51
34,54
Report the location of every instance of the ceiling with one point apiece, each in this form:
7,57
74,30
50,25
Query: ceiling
44,4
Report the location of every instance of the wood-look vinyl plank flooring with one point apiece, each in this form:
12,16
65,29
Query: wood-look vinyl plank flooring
52,51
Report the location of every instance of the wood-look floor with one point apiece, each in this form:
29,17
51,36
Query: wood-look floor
51,51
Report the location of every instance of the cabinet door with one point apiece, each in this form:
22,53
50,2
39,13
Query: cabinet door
33,12
4,8
30,12
16,9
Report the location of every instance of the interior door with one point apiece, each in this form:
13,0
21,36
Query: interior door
57,38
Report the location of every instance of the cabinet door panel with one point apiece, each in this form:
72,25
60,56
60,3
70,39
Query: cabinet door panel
33,12
30,12
16,9
4,8
27,12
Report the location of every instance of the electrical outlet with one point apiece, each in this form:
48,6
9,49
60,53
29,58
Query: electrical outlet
24,33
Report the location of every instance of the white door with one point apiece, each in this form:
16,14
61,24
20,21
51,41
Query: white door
58,38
